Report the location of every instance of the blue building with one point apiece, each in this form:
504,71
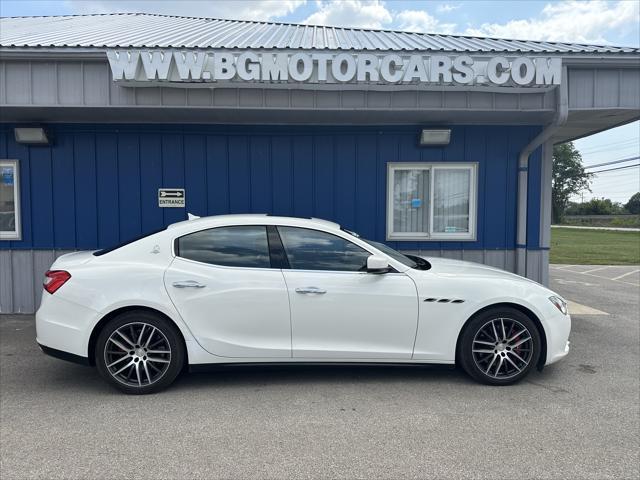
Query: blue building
434,144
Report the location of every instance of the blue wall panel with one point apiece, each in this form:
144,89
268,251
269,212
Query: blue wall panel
129,185
107,191
42,196
217,175
495,178
195,172
97,184
303,191
85,190
282,175
151,168
260,171
366,186
324,176
239,175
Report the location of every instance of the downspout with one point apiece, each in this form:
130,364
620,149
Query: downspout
559,119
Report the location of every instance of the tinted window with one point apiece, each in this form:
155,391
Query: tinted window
241,246
314,250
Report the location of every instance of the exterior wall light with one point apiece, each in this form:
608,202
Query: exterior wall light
31,135
435,137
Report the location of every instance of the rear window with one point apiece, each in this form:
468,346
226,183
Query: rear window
98,253
239,246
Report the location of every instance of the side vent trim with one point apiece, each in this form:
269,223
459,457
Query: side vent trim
443,300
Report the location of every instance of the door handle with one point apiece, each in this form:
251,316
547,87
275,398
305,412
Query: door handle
188,284
314,290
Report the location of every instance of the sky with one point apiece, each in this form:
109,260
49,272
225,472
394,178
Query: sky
614,22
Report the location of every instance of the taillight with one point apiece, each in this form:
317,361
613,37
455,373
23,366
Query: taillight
54,279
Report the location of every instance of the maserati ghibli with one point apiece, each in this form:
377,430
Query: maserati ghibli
247,289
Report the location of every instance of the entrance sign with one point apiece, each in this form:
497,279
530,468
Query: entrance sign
171,197
200,67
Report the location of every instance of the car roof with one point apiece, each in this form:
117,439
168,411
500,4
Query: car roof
255,218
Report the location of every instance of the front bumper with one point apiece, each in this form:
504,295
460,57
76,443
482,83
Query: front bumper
558,355
557,330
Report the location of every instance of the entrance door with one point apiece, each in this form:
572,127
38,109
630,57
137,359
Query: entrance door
235,304
340,311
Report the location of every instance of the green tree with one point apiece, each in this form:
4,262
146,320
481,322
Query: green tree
600,206
633,205
569,178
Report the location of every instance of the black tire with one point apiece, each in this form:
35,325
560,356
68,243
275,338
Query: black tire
480,360
153,332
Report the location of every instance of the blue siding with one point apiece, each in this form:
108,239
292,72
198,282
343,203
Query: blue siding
97,184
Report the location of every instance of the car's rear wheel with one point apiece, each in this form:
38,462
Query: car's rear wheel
139,352
500,346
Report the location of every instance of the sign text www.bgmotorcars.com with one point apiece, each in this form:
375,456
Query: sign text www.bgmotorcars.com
201,67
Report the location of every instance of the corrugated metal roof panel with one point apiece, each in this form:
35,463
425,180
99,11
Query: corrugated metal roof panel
164,31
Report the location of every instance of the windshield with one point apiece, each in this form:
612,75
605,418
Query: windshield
405,260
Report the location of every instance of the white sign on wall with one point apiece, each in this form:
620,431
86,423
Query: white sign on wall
171,197
202,67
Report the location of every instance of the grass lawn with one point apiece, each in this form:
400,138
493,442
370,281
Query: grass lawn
594,247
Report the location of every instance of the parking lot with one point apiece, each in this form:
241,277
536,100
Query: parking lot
576,419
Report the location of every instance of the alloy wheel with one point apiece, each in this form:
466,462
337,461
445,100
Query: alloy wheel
137,354
502,348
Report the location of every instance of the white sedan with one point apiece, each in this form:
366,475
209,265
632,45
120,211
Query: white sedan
263,289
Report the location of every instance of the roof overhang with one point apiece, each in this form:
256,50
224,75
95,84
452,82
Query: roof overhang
76,85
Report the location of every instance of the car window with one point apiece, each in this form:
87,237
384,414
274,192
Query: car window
240,246
314,250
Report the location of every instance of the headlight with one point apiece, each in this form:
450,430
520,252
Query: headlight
559,303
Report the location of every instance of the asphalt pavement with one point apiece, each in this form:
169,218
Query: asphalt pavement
576,419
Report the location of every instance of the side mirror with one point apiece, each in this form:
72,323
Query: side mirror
377,264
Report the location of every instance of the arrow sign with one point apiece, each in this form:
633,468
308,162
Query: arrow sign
171,197
169,193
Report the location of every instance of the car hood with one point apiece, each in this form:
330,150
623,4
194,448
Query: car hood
461,269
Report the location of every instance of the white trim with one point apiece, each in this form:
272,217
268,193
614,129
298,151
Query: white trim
17,233
430,235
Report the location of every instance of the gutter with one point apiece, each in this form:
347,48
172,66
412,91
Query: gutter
560,118
625,59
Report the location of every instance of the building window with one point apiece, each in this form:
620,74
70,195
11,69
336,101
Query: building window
427,201
9,200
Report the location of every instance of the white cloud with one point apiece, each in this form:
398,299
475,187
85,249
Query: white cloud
568,21
374,14
261,10
350,13
447,8
421,21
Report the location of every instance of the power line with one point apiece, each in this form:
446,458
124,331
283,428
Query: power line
616,168
618,177
626,146
606,146
612,162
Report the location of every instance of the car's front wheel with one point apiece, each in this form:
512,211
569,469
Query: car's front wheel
500,346
139,352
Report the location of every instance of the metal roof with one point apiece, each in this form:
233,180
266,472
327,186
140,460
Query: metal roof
144,30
